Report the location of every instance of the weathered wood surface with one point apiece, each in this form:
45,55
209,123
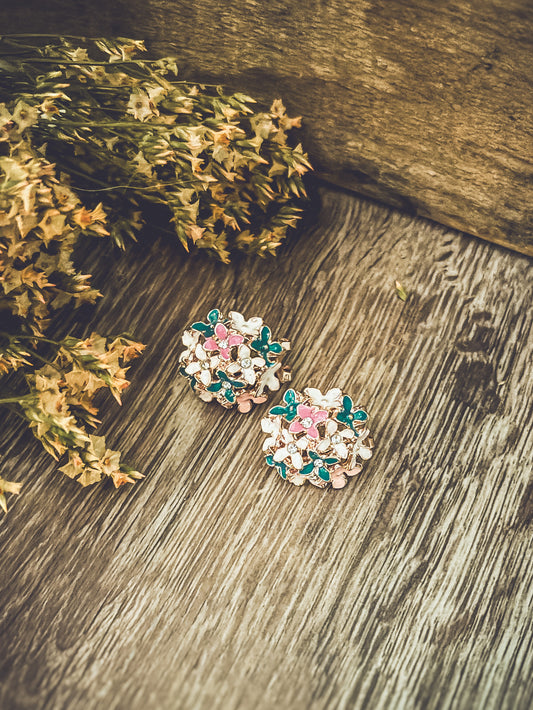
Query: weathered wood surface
424,105
214,584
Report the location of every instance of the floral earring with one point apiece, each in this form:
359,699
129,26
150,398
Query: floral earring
233,360
316,438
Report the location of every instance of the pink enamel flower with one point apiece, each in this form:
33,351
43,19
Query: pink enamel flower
223,342
309,417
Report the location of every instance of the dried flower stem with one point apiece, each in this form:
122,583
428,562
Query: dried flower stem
127,132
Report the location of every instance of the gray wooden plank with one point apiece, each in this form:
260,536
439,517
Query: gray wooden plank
212,583
424,106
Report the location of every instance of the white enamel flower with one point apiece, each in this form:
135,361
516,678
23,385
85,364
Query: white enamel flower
203,366
247,327
269,378
272,427
206,396
291,450
246,364
296,478
360,448
335,440
332,398
190,338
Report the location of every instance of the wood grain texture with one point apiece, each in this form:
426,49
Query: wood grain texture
424,106
214,584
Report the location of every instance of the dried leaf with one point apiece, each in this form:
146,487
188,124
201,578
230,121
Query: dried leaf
400,291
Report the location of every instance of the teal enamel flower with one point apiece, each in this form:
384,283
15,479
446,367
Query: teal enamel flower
263,345
288,411
226,386
192,380
208,329
319,466
279,465
350,416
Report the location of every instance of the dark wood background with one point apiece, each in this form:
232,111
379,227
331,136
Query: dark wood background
214,584
423,105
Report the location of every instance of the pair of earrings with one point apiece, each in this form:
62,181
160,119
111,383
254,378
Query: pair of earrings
319,438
